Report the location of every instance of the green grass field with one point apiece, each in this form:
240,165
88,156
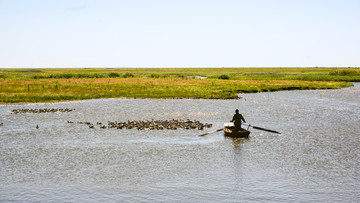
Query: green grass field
48,85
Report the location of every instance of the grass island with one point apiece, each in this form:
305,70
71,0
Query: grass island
49,85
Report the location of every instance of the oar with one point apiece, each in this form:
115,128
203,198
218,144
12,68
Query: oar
264,129
211,132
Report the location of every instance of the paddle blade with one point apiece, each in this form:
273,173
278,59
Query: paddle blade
210,132
264,129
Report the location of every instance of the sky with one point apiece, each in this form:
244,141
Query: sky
179,33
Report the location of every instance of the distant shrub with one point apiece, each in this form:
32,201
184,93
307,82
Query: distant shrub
65,75
182,76
96,75
70,75
154,75
28,71
224,77
128,75
344,72
114,75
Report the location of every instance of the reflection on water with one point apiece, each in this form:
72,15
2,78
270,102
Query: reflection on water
316,158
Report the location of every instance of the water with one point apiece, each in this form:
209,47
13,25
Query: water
316,158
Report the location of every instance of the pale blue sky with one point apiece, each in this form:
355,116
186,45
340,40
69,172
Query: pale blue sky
179,33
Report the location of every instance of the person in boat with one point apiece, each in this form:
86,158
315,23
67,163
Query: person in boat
237,119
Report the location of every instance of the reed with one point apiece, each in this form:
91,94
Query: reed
59,89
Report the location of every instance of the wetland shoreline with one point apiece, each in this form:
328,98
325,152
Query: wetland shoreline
55,85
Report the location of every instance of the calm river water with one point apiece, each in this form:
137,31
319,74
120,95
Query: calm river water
315,159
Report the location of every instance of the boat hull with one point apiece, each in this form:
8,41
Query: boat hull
231,132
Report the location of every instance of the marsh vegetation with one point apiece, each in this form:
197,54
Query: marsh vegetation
45,85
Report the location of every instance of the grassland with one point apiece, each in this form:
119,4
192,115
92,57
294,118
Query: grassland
46,85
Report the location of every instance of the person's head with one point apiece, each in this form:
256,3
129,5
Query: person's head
237,111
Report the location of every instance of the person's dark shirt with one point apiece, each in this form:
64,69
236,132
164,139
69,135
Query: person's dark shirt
237,119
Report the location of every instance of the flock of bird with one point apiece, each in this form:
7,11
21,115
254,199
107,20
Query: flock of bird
45,110
139,125
151,125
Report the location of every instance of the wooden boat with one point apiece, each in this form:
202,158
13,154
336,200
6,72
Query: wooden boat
229,130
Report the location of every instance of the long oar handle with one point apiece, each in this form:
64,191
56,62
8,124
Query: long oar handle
210,132
260,128
264,129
